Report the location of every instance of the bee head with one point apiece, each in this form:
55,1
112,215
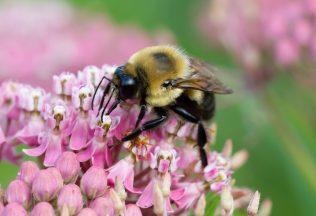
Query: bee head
127,85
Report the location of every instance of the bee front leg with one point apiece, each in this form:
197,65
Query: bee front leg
162,116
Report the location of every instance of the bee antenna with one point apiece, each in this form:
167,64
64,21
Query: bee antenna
97,88
107,103
105,92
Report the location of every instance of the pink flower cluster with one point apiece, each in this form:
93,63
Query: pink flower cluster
266,35
40,38
87,170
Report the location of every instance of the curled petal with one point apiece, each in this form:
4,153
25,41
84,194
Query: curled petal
79,134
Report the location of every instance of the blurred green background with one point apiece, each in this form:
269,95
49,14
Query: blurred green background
275,124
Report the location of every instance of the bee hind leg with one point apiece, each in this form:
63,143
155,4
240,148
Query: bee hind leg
201,141
201,134
162,116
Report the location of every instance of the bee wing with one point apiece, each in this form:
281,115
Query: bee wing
202,78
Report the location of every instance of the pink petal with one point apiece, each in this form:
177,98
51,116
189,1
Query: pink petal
147,198
177,194
168,205
115,122
79,135
2,137
34,152
87,153
163,165
133,210
98,159
129,183
7,152
108,156
53,151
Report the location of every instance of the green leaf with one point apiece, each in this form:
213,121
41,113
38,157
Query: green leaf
239,212
212,202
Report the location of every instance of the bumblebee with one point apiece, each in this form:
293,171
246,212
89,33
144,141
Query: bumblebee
165,78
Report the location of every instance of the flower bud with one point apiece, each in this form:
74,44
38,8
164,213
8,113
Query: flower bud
254,204
200,206
227,201
46,185
27,172
71,198
133,210
19,192
69,167
13,209
102,204
94,182
43,209
87,212
117,202
158,200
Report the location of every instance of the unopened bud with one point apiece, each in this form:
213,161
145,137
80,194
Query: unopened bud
254,204
64,211
119,188
43,209
46,185
159,206
227,201
102,204
87,212
70,196
94,182
27,172
200,206
69,167
238,159
19,192
13,209
133,210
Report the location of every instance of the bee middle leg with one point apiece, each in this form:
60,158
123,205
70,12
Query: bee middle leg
143,109
201,134
162,116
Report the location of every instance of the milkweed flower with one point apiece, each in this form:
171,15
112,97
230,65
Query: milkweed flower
85,169
266,36
54,36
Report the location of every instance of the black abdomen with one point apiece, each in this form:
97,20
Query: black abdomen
203,111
